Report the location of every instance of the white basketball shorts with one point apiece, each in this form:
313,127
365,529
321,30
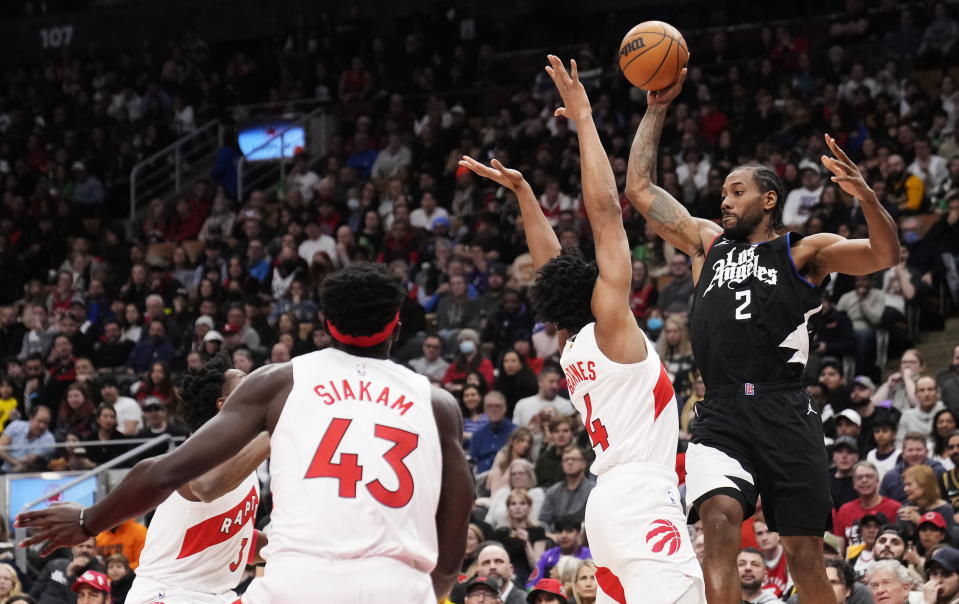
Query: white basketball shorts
639,539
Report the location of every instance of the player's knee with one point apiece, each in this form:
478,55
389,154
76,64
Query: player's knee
721,519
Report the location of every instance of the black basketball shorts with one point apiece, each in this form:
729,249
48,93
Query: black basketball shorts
761,440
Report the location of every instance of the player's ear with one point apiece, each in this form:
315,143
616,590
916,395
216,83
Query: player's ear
770,199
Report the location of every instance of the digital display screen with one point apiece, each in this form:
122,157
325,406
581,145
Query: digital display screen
21,491
273,140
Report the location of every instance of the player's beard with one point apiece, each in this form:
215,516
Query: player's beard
744,224
752,585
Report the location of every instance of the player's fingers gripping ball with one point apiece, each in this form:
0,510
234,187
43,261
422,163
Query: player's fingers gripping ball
652,54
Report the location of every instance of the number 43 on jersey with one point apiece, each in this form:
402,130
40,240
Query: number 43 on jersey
349,471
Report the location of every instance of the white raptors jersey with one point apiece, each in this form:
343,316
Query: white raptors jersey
629,410
356,464
203,547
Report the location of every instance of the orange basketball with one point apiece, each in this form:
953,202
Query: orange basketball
652,55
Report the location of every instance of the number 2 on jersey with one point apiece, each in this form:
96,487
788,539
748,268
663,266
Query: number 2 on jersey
595,428
746,296
349,472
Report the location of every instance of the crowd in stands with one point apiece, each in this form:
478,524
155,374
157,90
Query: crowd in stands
100,316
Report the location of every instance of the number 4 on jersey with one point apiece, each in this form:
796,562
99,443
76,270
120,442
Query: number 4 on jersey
349,472
594,427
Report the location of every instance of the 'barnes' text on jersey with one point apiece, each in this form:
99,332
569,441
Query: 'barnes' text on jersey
750,313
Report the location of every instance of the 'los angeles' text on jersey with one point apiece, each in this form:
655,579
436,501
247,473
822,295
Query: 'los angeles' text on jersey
737,266
750,313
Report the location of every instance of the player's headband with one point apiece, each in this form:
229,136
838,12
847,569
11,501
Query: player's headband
363,341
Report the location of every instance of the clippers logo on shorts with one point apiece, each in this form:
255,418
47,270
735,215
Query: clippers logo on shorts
216,530
750,390
663,537
737,267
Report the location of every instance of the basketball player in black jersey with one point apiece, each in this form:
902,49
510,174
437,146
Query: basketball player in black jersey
756,433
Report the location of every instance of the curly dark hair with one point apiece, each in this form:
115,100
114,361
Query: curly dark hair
361,298
563,291
199,390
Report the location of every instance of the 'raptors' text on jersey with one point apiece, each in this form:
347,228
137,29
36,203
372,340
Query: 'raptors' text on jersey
750,313
621,405
356,464
201,546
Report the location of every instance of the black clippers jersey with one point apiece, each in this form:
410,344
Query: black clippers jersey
750,313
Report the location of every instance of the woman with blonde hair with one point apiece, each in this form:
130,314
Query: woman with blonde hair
9,582
521,476
583,585
922,495
519,446
522,537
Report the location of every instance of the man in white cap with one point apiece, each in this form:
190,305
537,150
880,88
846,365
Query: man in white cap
848,423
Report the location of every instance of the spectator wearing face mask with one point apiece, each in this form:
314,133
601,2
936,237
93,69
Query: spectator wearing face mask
468,359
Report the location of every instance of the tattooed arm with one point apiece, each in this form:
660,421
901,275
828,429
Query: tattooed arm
669,218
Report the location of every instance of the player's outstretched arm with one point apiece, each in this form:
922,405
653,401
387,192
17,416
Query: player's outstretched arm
670,219
616,328
251,408
824,253
456,494
540,237
228,476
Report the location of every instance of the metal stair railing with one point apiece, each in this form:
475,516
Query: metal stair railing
165,171
20,554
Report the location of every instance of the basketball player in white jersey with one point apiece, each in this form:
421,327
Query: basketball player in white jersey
636,526
372,492
202,537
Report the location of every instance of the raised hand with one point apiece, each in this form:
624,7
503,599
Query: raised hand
498,173
576,102
57,526
845,173
666,95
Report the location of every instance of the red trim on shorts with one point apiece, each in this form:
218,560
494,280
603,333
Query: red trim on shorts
610,584
663,392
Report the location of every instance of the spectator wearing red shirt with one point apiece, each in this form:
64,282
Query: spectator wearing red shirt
186,223
845,520
644,294
399,244
712,121
774,556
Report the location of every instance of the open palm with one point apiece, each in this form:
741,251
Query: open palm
497,172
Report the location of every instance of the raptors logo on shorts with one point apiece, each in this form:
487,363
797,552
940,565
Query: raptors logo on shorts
663,537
